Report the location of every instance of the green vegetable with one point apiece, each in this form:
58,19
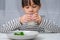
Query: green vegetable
19,33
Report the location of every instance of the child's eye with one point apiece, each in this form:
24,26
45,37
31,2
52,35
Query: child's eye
27,7
34,6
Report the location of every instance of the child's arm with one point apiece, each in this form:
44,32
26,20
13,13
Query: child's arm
10,26
49,26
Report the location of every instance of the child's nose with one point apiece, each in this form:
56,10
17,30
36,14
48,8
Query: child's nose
31,10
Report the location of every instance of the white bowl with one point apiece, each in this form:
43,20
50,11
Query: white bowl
27,35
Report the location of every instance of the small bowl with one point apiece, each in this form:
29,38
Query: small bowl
27,35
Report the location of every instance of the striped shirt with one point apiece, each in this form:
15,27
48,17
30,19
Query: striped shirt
44,26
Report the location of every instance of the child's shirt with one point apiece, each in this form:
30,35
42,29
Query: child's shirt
44,26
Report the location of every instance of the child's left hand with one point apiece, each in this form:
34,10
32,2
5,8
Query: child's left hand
36,18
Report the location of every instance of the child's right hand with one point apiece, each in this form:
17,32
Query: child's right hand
25,18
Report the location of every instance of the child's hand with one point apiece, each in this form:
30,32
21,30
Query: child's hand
36,18
25,18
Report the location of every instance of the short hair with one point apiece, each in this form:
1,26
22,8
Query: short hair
28,2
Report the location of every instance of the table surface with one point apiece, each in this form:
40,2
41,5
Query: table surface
41,36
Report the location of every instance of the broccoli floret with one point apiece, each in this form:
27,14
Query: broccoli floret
19,33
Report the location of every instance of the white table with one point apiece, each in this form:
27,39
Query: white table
48,36
41,36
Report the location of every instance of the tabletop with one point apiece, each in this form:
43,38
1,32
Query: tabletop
41,36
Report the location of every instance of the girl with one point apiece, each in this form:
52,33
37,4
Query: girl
31,8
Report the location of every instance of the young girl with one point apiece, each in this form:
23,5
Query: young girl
31,8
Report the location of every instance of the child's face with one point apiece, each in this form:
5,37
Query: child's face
31,9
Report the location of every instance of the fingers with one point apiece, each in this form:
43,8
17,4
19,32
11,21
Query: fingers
35,18
22,20
28,18
35,14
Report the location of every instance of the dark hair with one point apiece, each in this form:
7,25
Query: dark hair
26,2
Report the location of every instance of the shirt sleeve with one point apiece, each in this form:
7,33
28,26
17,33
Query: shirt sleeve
49,26
10,26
